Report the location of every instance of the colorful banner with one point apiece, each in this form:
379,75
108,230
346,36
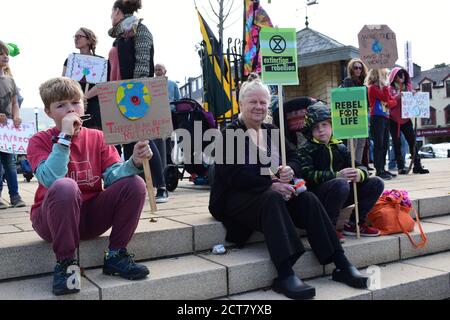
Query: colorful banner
415,106
255,18
134,110
349,113
279,56
15,140
86,68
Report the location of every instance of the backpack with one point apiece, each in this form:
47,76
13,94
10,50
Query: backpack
391,215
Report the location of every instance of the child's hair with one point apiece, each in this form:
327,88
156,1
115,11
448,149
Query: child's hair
92,38
376,77
128,6
253,82
60,89
4,48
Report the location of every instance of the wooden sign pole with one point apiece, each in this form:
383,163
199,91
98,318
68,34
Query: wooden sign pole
355,191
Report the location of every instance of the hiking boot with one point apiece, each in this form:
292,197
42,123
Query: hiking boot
122,264
421,170
17,202
402,171
364,230
340,236
3,205
384,175
162,196
64,282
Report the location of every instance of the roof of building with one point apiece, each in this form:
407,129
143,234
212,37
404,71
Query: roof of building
437,75
315,48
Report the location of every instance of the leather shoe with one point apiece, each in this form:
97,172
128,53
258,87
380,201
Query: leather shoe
293,288
351,277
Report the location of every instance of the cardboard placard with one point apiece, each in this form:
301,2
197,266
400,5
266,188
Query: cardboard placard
279,56
135,110
378,46
415,106
79,66
349,113
15,140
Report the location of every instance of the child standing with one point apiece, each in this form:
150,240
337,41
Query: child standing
326,167
70,204
9,109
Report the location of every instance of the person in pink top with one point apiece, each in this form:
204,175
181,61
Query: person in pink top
400,81
71,203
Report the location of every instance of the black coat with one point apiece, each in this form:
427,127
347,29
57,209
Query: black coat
241,181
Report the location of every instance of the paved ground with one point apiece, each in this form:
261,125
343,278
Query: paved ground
189,199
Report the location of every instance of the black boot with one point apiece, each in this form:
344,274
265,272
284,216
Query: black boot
293,288
351,277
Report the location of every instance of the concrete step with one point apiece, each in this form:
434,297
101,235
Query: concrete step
426,278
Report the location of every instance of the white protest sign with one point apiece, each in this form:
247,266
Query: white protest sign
95,69
15,140
415,106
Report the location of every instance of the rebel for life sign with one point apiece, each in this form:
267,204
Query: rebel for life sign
378,46
349,113
15,140
279,56
134,110
415,106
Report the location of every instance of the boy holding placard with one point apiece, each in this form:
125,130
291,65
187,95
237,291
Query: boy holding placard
326,167
70,203
9,109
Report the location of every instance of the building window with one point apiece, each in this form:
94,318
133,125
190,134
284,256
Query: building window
447,114
426,87
447,85
431,121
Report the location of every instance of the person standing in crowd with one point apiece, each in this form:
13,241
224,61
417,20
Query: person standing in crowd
9,109
164,147
356,75
244,200
132,57
326,166
400,81
86,43
380,102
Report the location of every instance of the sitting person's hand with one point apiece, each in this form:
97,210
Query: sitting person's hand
141,153
349,174
286,190
286,174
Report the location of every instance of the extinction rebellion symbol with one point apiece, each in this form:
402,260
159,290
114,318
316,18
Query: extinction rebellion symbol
277,44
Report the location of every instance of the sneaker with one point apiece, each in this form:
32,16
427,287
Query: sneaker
122,264
3,205
421,170
384,175
17,202
402,171
162,196
340,236
364,230
64,282
393,175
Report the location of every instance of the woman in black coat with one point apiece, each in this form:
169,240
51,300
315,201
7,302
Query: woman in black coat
246,197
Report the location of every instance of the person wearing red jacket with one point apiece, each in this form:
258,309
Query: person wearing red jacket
380,102
400,81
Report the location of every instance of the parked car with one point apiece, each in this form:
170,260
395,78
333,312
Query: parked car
440,150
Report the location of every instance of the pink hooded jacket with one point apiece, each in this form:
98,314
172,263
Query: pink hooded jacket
396,112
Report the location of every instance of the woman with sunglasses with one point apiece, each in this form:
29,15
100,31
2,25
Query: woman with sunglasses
400,81
86,42
357,73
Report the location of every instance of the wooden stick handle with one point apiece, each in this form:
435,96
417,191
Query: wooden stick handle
149,183
355,191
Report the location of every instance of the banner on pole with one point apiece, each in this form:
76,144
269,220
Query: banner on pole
349,113
15,140
415,106
134,110
279,56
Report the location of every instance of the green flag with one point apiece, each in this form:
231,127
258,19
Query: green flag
349,113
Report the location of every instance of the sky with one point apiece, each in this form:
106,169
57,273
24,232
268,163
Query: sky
44,30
